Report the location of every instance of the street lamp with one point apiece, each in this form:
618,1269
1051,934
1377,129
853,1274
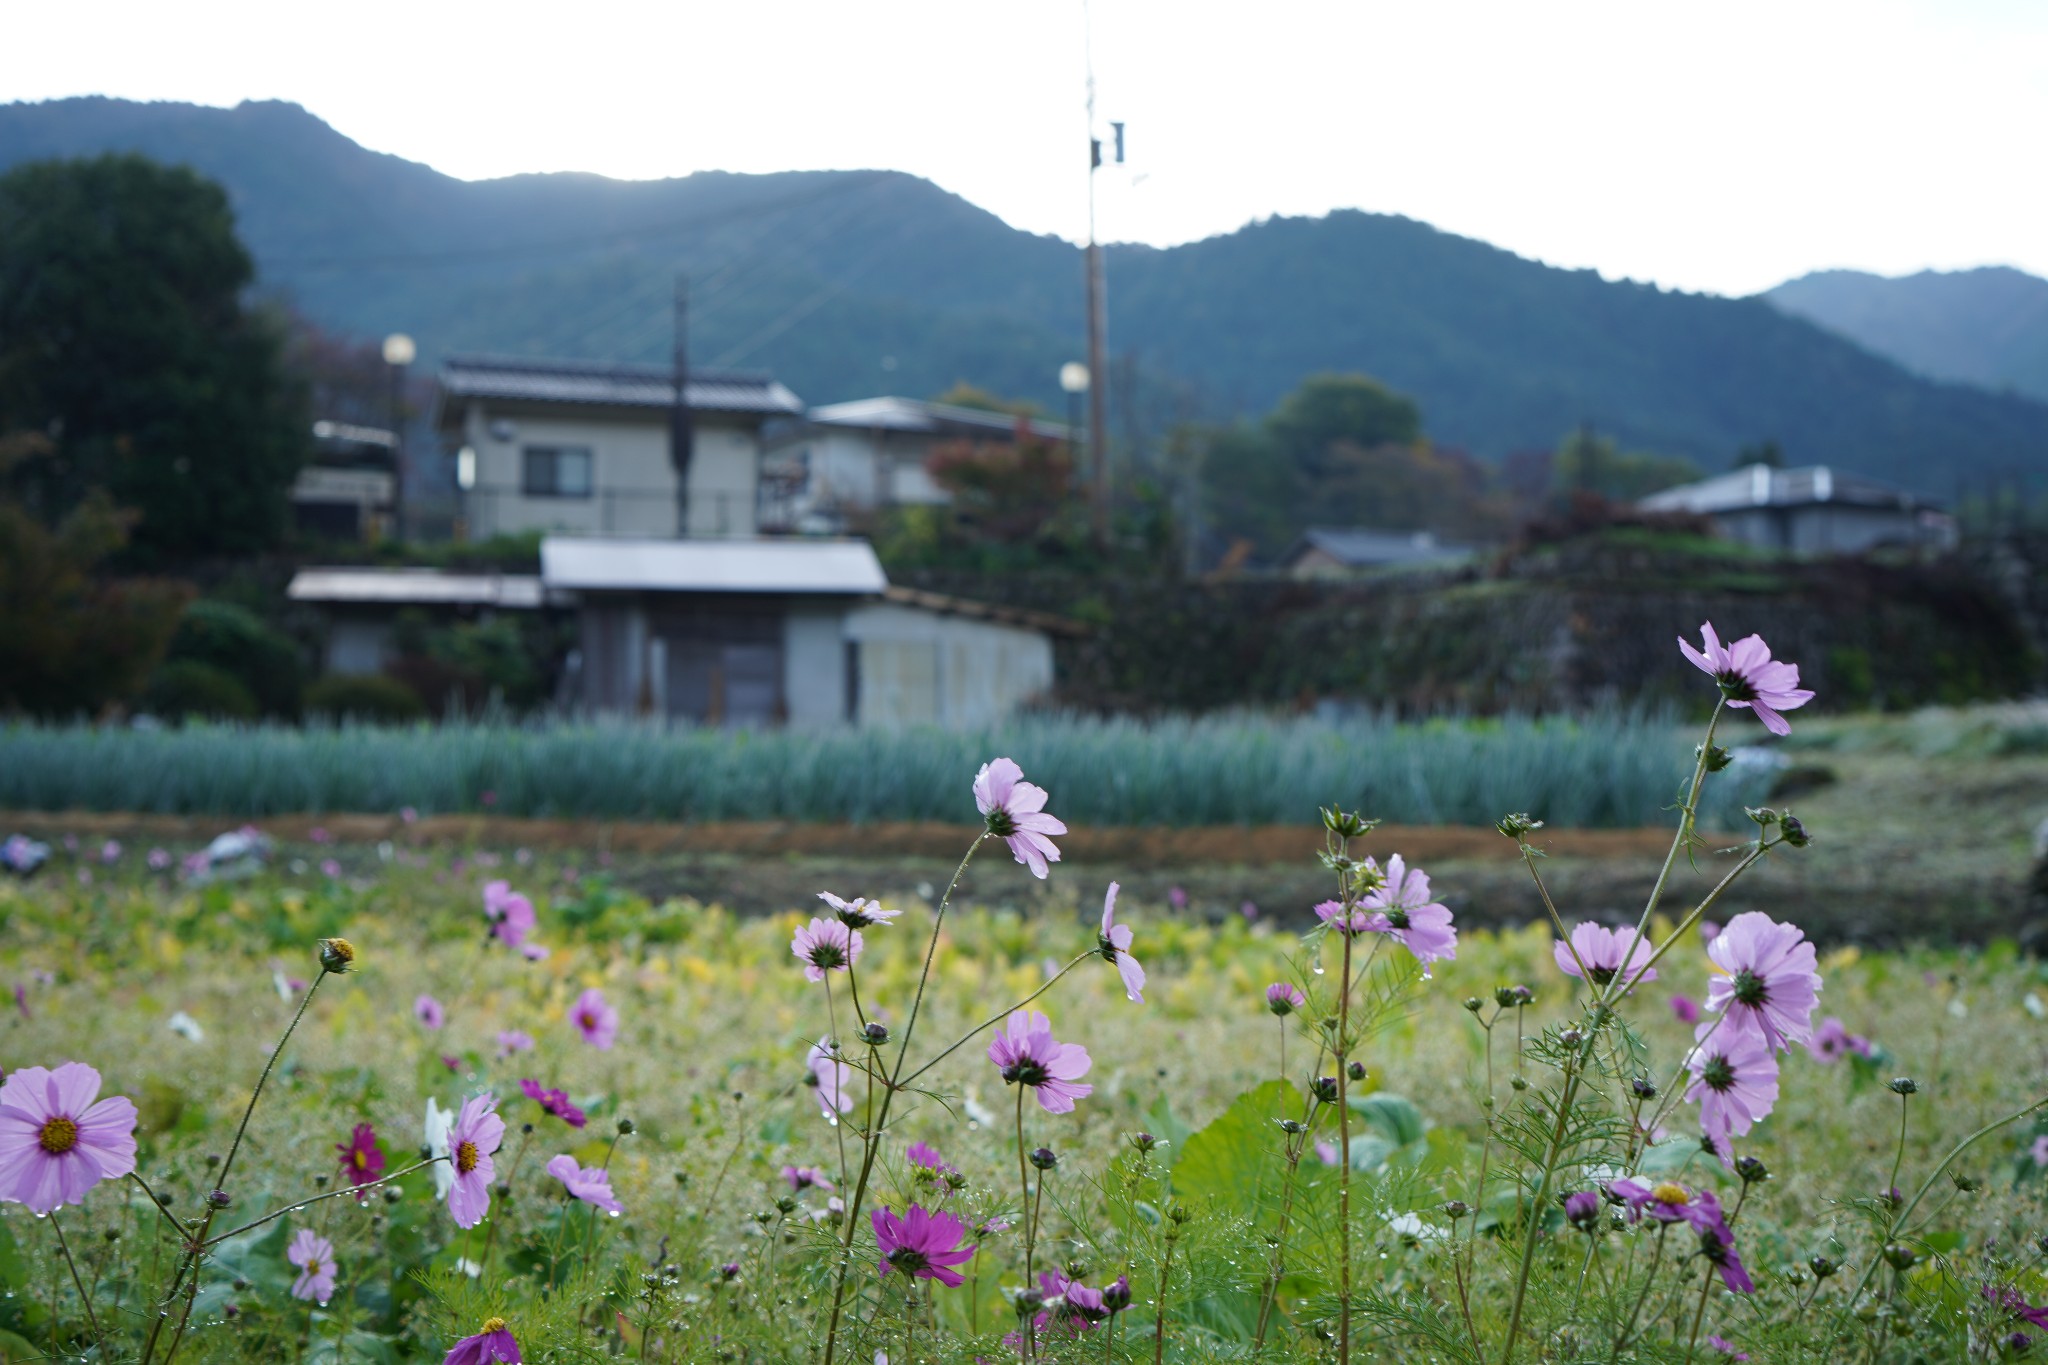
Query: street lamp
1074,379
398,353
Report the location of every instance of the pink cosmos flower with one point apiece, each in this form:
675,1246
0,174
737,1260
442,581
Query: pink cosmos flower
428,1011
1686,1009
110,851
472,1140
314,1256
1284,999
825,945
1604,952
554,1102
1726,1347
1028,1055
1771,988
1115,941
921,1244
591,1184
927,1158
511,1040
1328,1152
829,1076
1832,1041
858,913
494,1345
159,859
1735,1083
1401,907
1750,678
595,1019
1717,1243
362,1161
55,1141
803,1178
1015,812
510,914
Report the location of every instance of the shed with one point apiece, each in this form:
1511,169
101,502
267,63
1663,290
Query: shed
360,604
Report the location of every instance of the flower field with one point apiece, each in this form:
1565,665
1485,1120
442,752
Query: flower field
479,1107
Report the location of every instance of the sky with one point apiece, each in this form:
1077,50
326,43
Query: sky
1721,147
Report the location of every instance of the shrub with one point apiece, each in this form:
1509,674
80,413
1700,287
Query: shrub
364,696
236,642
187,687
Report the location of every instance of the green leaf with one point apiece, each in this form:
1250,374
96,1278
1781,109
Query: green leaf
13,1270
1393,1119
1237,1161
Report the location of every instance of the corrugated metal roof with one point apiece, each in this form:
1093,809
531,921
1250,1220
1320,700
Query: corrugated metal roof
914,414
416,587
1760,485
711,566
613,385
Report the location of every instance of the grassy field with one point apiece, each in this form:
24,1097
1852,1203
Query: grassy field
178,992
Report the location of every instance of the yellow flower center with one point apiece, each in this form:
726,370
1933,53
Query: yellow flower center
357,1156
59,1136
465,1157
1668,1193
492,1324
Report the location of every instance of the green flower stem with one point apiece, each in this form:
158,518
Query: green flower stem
98,1337
315,1199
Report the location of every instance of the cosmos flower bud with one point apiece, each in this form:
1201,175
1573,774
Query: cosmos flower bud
1474,1003
1903,1085
218,1199
875,1033
1716,757
625,1127
1356,1071
1516,825
337,955
1293,1127
392,1194
1044,1159
1504,996
729,1271
1027,1301
1644,1088
1346,824
1144,1142
1751,1170
785,1205
1324,1088
1967,1184
1524,995
1117,1297
1517,1083
1456,1209
1822,1267
1179,1214
1899,1257
1794,833
955,1180
1764,816
1571,1037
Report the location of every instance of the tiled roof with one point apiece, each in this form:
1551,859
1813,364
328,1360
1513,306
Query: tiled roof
611,384
1762,486
915,414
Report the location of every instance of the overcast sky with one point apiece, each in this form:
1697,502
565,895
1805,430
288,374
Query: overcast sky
1716,146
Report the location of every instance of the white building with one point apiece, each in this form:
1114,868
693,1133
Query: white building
587,449
848,459
1814,510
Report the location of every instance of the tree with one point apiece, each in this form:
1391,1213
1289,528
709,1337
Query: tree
1003,490
1763,453
124,336
1590,463
1349,408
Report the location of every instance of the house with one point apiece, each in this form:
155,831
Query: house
806,633
1814,510
845,460
362,604
1335,551
345,491
589,449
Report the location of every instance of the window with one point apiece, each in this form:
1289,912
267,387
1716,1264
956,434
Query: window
557,472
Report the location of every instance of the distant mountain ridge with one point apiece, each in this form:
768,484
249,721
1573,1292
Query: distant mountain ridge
1987,326
855,283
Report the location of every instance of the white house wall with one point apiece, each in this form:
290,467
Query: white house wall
725,471
922,667
633,482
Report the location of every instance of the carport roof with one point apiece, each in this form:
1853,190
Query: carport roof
837,567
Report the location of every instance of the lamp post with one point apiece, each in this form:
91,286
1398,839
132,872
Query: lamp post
398,353
1074,379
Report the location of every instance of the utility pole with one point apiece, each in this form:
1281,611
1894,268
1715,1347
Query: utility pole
1098,370
681,431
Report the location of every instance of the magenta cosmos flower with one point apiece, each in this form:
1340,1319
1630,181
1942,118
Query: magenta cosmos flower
803,1178
829,1077
492,1346
825,945
428,1011
1771,988
1603,951
362,1161
1750,678
510,914
1115,941
1832,1041
921,1244
858,913
1402,908
1284,999
1015,812
56,1142
926,1157
472,1140
314,1256
554,1102
591,1184
595,1019
1028,1055
1735,1083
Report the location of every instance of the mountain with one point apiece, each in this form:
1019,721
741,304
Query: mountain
853,283
1987,327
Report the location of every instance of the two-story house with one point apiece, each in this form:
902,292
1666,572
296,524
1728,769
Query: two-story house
588,448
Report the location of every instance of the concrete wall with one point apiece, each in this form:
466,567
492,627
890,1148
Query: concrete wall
725,471
922,667
1820,529
814,666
